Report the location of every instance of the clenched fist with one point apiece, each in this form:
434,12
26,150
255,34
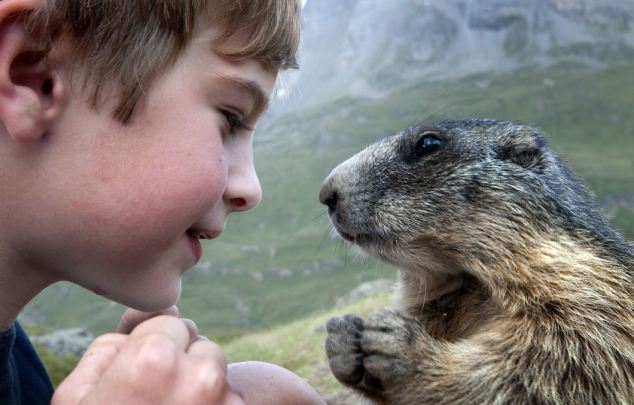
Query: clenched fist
161,361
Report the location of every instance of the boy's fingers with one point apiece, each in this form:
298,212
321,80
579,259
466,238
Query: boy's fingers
208,352
155,361
208,374
175,329
192,328
89,370
131,318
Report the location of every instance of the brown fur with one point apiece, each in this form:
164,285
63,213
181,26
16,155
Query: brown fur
515,290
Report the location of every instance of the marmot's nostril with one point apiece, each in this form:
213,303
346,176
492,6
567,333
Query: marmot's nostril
331,202
329,197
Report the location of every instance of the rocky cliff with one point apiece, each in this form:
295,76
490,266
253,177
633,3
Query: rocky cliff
370,47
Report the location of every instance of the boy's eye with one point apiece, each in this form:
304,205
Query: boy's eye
234,122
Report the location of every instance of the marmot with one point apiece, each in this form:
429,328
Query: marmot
514,289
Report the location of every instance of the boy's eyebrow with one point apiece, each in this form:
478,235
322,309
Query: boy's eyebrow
251,88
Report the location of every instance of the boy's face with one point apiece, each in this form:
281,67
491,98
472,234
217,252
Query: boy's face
118,208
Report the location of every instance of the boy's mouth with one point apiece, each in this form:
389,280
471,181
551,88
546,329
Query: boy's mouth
194,240
195,245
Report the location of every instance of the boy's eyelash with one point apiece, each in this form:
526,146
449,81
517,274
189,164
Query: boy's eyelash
235,122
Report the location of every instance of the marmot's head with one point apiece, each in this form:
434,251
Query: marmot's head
475,187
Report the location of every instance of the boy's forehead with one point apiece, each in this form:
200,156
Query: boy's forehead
248,75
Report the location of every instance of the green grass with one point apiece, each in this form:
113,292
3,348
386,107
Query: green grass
57,367
276,273
279,263
299,345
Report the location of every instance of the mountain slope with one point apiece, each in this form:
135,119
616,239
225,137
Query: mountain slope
370,48
280,262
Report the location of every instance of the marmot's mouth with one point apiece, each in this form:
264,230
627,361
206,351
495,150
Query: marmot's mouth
358,238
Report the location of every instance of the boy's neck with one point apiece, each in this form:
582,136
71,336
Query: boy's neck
18,286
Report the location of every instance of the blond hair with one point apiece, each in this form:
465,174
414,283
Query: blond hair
130,42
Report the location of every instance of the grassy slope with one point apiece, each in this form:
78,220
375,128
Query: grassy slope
298,345
586,113
279,262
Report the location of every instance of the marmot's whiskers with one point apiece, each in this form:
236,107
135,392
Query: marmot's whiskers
529,291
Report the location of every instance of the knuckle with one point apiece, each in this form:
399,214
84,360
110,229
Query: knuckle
208,383
156,358
105,340
214,348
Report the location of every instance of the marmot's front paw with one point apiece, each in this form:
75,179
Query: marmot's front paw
374,354
343,349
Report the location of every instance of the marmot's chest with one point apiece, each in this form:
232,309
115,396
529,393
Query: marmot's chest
457,315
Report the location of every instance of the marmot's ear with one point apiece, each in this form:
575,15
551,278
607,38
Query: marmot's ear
524,147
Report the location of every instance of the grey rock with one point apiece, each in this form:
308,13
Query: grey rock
66,342
368,47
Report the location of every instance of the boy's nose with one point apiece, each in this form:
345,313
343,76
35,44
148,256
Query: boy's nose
243,190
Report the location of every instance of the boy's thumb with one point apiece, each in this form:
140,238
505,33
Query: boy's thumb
95,361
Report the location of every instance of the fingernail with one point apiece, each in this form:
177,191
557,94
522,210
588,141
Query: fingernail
201,338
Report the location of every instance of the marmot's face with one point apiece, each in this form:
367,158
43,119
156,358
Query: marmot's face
434,189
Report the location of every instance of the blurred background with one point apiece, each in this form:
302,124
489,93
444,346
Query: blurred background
368,69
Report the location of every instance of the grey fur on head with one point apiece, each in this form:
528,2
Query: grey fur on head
394,194
513,286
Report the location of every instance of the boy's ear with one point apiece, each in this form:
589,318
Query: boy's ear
31,92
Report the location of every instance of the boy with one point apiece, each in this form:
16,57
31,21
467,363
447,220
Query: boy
126,138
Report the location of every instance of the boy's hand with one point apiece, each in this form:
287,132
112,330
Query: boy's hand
131,318
160,362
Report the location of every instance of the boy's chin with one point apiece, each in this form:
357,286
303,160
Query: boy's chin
152,301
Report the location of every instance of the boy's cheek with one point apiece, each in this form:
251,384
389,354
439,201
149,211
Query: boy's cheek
159,202
124,228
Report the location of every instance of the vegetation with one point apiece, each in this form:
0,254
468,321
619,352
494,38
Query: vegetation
279,269
299,345
58,367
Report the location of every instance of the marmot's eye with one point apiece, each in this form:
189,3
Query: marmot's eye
428,143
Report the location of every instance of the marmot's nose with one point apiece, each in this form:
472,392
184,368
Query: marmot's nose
328,195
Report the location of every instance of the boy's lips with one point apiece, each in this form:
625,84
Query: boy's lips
194,241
